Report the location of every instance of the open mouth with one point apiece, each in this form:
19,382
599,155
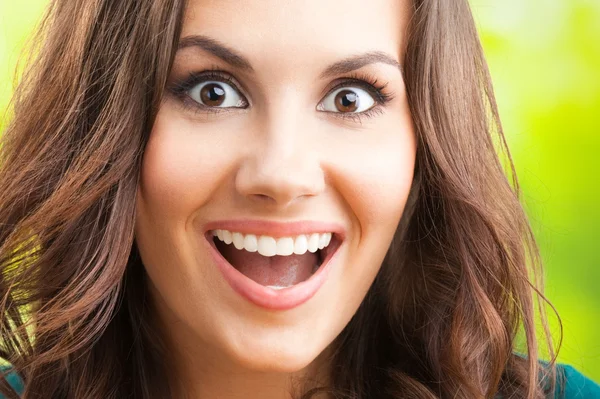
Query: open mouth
276,262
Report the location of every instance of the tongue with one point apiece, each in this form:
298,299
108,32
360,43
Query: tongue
280,271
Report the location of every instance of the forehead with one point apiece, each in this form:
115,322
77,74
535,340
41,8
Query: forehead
302,31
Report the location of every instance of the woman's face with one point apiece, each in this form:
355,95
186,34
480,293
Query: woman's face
285,128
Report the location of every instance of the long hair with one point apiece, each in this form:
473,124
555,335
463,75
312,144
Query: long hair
457,289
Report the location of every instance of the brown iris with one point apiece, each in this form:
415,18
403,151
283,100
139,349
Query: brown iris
212,94
346,101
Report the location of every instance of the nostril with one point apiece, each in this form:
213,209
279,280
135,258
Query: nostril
262,197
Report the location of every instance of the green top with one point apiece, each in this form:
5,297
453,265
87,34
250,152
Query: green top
573,384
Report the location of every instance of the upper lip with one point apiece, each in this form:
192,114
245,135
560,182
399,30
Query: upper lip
276,229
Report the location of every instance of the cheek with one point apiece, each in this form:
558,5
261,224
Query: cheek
381,188
182,166
178,174
375,178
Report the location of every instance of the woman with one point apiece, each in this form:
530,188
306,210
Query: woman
264,199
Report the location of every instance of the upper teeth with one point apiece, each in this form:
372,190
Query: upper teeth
270,246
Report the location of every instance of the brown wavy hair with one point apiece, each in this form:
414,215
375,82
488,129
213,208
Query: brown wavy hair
456,292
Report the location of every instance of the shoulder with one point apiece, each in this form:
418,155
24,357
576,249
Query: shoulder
12,377
571,384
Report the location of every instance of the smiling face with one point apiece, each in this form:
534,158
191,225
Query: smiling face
285,128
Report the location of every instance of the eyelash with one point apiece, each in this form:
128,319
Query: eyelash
368,82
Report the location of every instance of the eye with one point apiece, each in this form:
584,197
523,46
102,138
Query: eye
213,93
347,100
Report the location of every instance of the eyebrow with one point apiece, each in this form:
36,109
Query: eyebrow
219,50
358,61
237,60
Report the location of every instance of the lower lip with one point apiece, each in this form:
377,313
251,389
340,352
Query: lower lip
282,299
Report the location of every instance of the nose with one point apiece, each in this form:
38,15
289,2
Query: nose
282,165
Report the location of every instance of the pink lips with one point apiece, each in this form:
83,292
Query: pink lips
260,295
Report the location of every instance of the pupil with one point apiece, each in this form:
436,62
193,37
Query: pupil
346,101
212,94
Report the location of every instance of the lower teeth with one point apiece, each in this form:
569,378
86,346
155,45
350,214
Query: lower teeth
276,287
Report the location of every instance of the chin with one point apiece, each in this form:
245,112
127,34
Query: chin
277,355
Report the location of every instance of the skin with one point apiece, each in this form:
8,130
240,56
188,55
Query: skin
280,159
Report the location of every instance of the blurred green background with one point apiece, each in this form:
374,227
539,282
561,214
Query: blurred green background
544,57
